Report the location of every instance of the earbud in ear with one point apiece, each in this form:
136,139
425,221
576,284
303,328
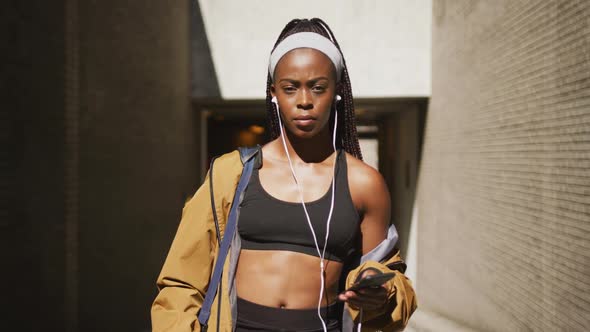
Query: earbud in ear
337,98
274,99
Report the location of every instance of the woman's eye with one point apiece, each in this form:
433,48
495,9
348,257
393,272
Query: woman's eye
318,88
289,89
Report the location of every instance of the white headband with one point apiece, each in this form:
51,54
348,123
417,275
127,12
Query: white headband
307,40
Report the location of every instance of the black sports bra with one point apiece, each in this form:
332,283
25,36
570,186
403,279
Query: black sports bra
267,223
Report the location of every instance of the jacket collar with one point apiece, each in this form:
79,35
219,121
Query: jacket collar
246,153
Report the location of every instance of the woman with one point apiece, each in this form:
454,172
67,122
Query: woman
311,209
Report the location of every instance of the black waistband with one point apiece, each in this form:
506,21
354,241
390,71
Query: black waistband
256,317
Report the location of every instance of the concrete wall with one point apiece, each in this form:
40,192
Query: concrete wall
137,154
386,43
203,79
32,160
401,142
99,146
504,225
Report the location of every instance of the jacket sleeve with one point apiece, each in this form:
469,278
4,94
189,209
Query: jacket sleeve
184,278
394,316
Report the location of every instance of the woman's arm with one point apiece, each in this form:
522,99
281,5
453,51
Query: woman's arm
372,199
185,275
393,313
390,306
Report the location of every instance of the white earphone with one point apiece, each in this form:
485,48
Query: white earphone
337,98
321,253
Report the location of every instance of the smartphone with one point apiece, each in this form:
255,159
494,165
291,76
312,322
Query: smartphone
375,280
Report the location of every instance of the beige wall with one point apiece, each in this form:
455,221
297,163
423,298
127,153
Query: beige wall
386,43
503,197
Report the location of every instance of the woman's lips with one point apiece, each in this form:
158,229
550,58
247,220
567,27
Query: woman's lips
304,121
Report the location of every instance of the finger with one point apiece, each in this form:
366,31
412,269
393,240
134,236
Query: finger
368,301
347,295
350,294
368,306
378,298
372,299
343,297
372,291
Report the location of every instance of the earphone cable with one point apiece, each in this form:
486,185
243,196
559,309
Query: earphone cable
323,252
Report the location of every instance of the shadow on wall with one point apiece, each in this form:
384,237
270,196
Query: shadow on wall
401,132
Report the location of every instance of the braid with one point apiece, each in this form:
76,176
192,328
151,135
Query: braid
346,136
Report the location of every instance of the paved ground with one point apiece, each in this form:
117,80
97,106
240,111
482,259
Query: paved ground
423,321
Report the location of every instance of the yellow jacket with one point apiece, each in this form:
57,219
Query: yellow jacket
184,278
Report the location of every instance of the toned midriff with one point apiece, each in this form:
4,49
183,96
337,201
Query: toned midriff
285,279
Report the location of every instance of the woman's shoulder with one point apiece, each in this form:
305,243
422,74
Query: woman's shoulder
234,158
361,172
363,179
230,165
228,155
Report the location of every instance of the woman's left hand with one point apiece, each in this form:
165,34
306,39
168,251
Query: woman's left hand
367,298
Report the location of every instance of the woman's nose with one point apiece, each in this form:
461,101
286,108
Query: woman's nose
304,101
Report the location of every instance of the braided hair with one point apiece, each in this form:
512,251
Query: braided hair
346,137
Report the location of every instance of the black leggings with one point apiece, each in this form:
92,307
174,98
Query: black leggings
255,317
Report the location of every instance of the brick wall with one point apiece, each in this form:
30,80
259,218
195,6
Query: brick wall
504,187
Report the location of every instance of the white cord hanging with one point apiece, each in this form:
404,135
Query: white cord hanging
323,252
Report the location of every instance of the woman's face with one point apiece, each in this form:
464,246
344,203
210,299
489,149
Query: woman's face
305,86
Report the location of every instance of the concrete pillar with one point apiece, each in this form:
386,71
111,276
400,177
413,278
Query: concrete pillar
99,148
138,153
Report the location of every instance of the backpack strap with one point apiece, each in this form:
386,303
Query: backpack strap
247,157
